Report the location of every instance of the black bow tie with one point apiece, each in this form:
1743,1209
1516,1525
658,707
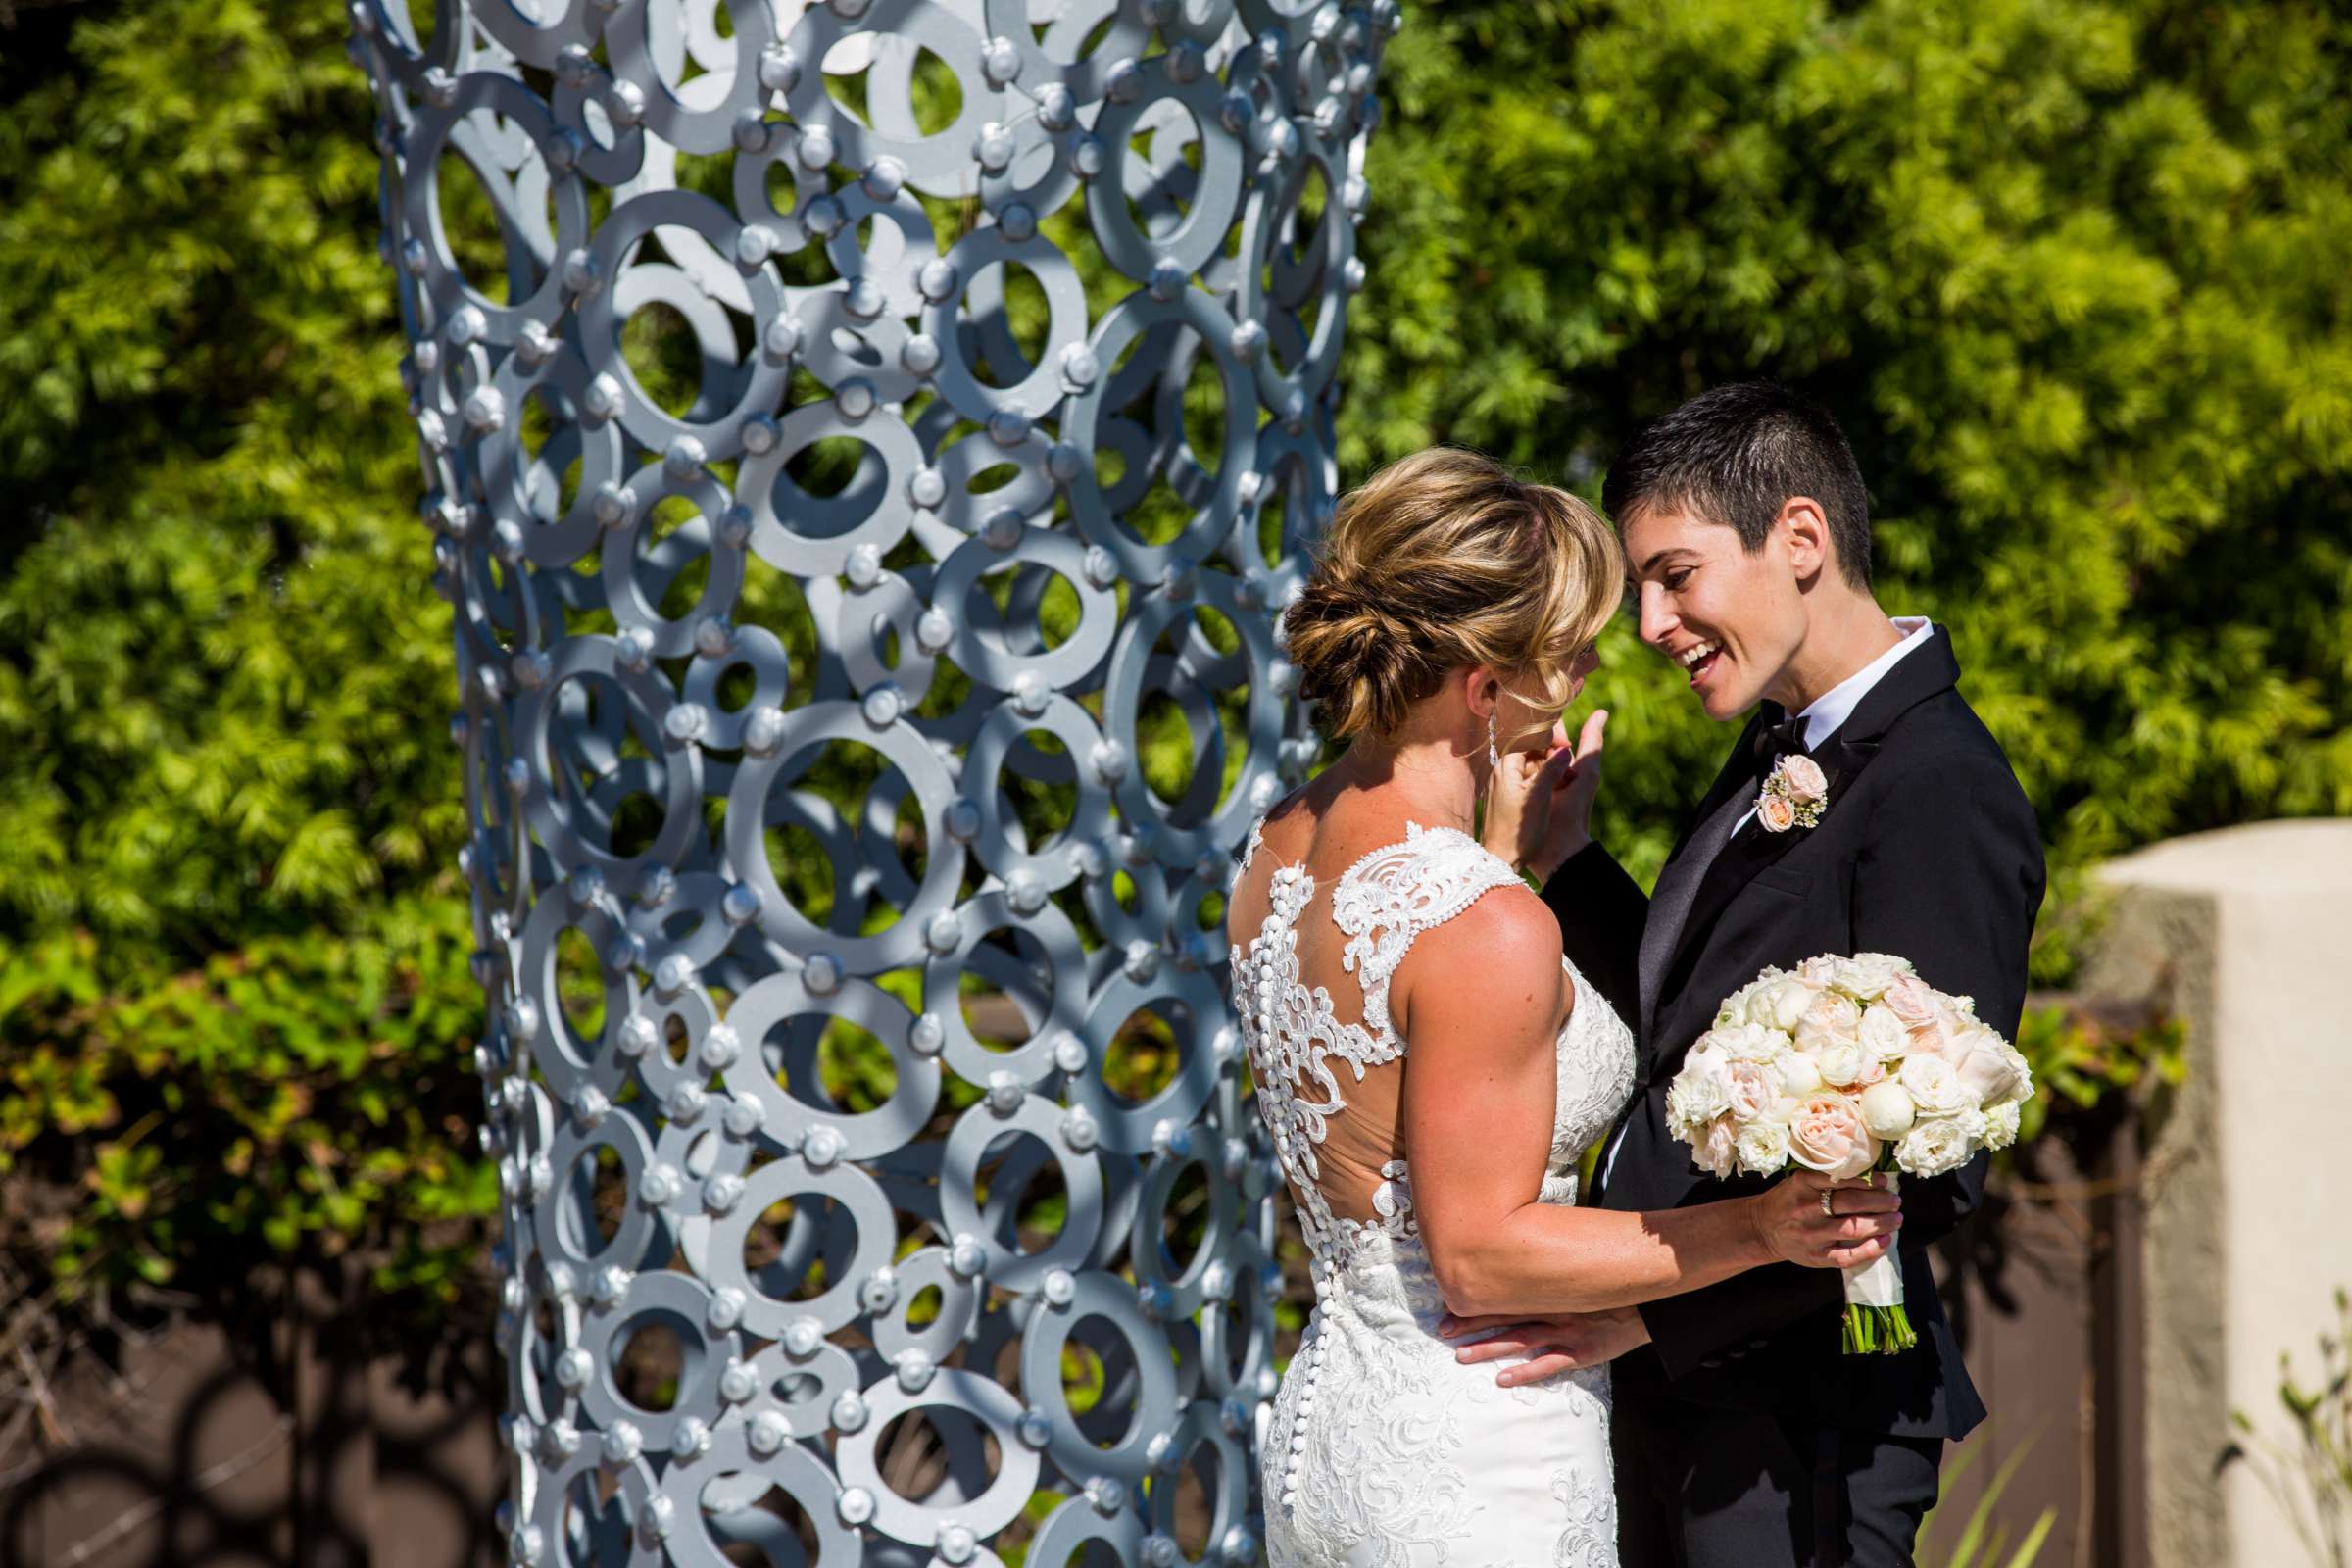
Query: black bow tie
1776,741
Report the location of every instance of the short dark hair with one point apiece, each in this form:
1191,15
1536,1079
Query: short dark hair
1734,455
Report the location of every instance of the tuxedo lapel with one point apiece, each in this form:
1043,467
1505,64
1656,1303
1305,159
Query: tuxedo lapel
1677,883
1843,754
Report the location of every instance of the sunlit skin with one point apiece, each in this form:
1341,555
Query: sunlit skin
1422,759
1785,622
1478,1109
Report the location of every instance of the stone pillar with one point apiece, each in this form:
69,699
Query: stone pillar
2243,933
867,446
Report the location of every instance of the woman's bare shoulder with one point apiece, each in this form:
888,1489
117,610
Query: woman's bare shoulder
1495,969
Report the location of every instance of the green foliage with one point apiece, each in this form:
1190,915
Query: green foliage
303,1091
2078,1059
234,1007
2069,272
1983,1540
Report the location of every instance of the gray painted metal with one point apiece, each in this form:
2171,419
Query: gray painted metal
636,744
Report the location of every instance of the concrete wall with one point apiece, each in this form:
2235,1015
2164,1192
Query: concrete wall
2247,934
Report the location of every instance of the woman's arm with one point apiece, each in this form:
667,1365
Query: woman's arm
1480,998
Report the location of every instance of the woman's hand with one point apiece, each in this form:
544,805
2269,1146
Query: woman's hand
1568,823
1855,1224
1540,808
1564,1342
1519,802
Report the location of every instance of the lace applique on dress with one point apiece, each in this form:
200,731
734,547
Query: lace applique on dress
1412,1460
1293,1037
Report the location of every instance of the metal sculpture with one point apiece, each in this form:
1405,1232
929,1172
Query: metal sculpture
1038,600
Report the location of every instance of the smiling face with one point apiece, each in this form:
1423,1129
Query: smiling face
1730,619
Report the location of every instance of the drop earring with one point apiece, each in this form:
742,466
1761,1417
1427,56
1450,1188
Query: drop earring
1494,756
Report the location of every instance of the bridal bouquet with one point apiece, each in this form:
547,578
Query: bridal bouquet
1846,1066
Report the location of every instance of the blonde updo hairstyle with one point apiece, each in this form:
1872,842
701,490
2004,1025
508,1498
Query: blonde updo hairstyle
1442,560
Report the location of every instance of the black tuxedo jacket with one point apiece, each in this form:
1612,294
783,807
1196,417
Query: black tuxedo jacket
1926,849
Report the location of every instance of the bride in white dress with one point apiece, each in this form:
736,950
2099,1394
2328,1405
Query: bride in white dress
1450,618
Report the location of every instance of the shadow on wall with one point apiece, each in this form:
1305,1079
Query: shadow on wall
272,1434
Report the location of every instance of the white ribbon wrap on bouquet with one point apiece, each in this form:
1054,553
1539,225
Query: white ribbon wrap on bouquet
1878,1281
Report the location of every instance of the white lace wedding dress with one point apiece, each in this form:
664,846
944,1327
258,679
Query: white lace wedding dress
1383,1449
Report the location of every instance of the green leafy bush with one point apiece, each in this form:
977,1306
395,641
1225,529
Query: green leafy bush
2070,273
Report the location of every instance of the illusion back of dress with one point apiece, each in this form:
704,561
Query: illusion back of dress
1370,1460
1326,1055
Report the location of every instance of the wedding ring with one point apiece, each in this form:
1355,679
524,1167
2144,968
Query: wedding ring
1826,1212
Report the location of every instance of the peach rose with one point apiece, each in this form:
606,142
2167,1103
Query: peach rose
1830,1016
1989,1066
1912,1001
1755,1088
1715,1152
1827,1135
1805,780
1776,812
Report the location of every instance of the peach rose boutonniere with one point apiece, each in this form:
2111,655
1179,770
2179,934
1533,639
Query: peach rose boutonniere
1793,795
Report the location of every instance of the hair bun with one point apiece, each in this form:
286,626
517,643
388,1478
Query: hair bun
1441,560
1358,660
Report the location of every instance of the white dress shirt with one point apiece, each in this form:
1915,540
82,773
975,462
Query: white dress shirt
1822,718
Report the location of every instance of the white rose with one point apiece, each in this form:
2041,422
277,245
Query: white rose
1934,1087
1839,1061
1882,1033
1750,1041
1799,1075
1821,972
1889,1111
1866,975
1939,1144
2000,1123
1733,1009
1700,1092
1782,1005
2025,1071
1762,1147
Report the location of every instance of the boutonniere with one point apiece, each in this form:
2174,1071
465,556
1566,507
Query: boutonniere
1793,793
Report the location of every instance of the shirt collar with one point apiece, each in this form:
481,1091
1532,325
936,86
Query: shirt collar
1836,705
